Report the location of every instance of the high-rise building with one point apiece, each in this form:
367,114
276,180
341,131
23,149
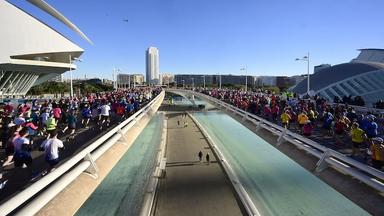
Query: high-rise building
152,61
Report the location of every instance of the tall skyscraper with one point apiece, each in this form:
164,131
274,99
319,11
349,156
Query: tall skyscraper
152,60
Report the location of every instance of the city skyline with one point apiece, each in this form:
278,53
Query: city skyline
218,36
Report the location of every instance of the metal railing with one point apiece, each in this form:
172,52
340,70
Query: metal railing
84,161
327,157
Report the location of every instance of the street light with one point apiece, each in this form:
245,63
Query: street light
306,58
183,83
114,78
219,81
204,80
70,70
246,78
193,83
129,81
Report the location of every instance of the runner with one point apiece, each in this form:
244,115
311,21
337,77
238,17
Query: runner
104,115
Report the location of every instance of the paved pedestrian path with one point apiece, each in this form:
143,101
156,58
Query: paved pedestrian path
193,187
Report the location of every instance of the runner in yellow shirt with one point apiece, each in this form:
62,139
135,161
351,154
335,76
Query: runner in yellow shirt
285,118
302,118
377,149
358,137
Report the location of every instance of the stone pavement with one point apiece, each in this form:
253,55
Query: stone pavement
191,187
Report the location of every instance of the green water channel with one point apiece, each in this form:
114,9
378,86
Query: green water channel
123,190
276,184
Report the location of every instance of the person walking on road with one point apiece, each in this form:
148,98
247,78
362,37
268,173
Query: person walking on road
200,155
207,158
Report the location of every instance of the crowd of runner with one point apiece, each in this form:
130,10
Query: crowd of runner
360,133
43,124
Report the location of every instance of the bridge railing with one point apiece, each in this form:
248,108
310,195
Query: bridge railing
327,156
84,161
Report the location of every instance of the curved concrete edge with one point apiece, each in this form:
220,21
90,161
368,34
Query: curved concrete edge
70,200
241,192
149,198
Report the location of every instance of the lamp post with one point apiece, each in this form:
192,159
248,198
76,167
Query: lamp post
114,78
129,81
203,80
193,83
219,81
70,71
306,58
183,83
246,78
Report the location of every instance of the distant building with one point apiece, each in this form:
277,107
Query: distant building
129,80
152,65
195,79
198,79
138,79
363,76
237,79
265,81
284,81
107,82
166,79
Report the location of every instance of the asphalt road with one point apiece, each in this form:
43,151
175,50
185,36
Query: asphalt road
193,187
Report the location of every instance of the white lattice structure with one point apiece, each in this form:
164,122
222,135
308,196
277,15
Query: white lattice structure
31,51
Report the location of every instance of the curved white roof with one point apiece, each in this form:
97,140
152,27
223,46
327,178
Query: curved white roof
32,52
23,34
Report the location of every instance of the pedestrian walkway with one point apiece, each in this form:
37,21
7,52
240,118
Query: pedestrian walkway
193,187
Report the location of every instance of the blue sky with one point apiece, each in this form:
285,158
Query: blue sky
218,36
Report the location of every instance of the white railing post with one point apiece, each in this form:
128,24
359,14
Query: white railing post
281,138
259,125
234,111
245,116
92,170
228,107
124,139
322,163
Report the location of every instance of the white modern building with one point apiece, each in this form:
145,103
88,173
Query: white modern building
152,62
363,76
32,52
125,81
166,78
